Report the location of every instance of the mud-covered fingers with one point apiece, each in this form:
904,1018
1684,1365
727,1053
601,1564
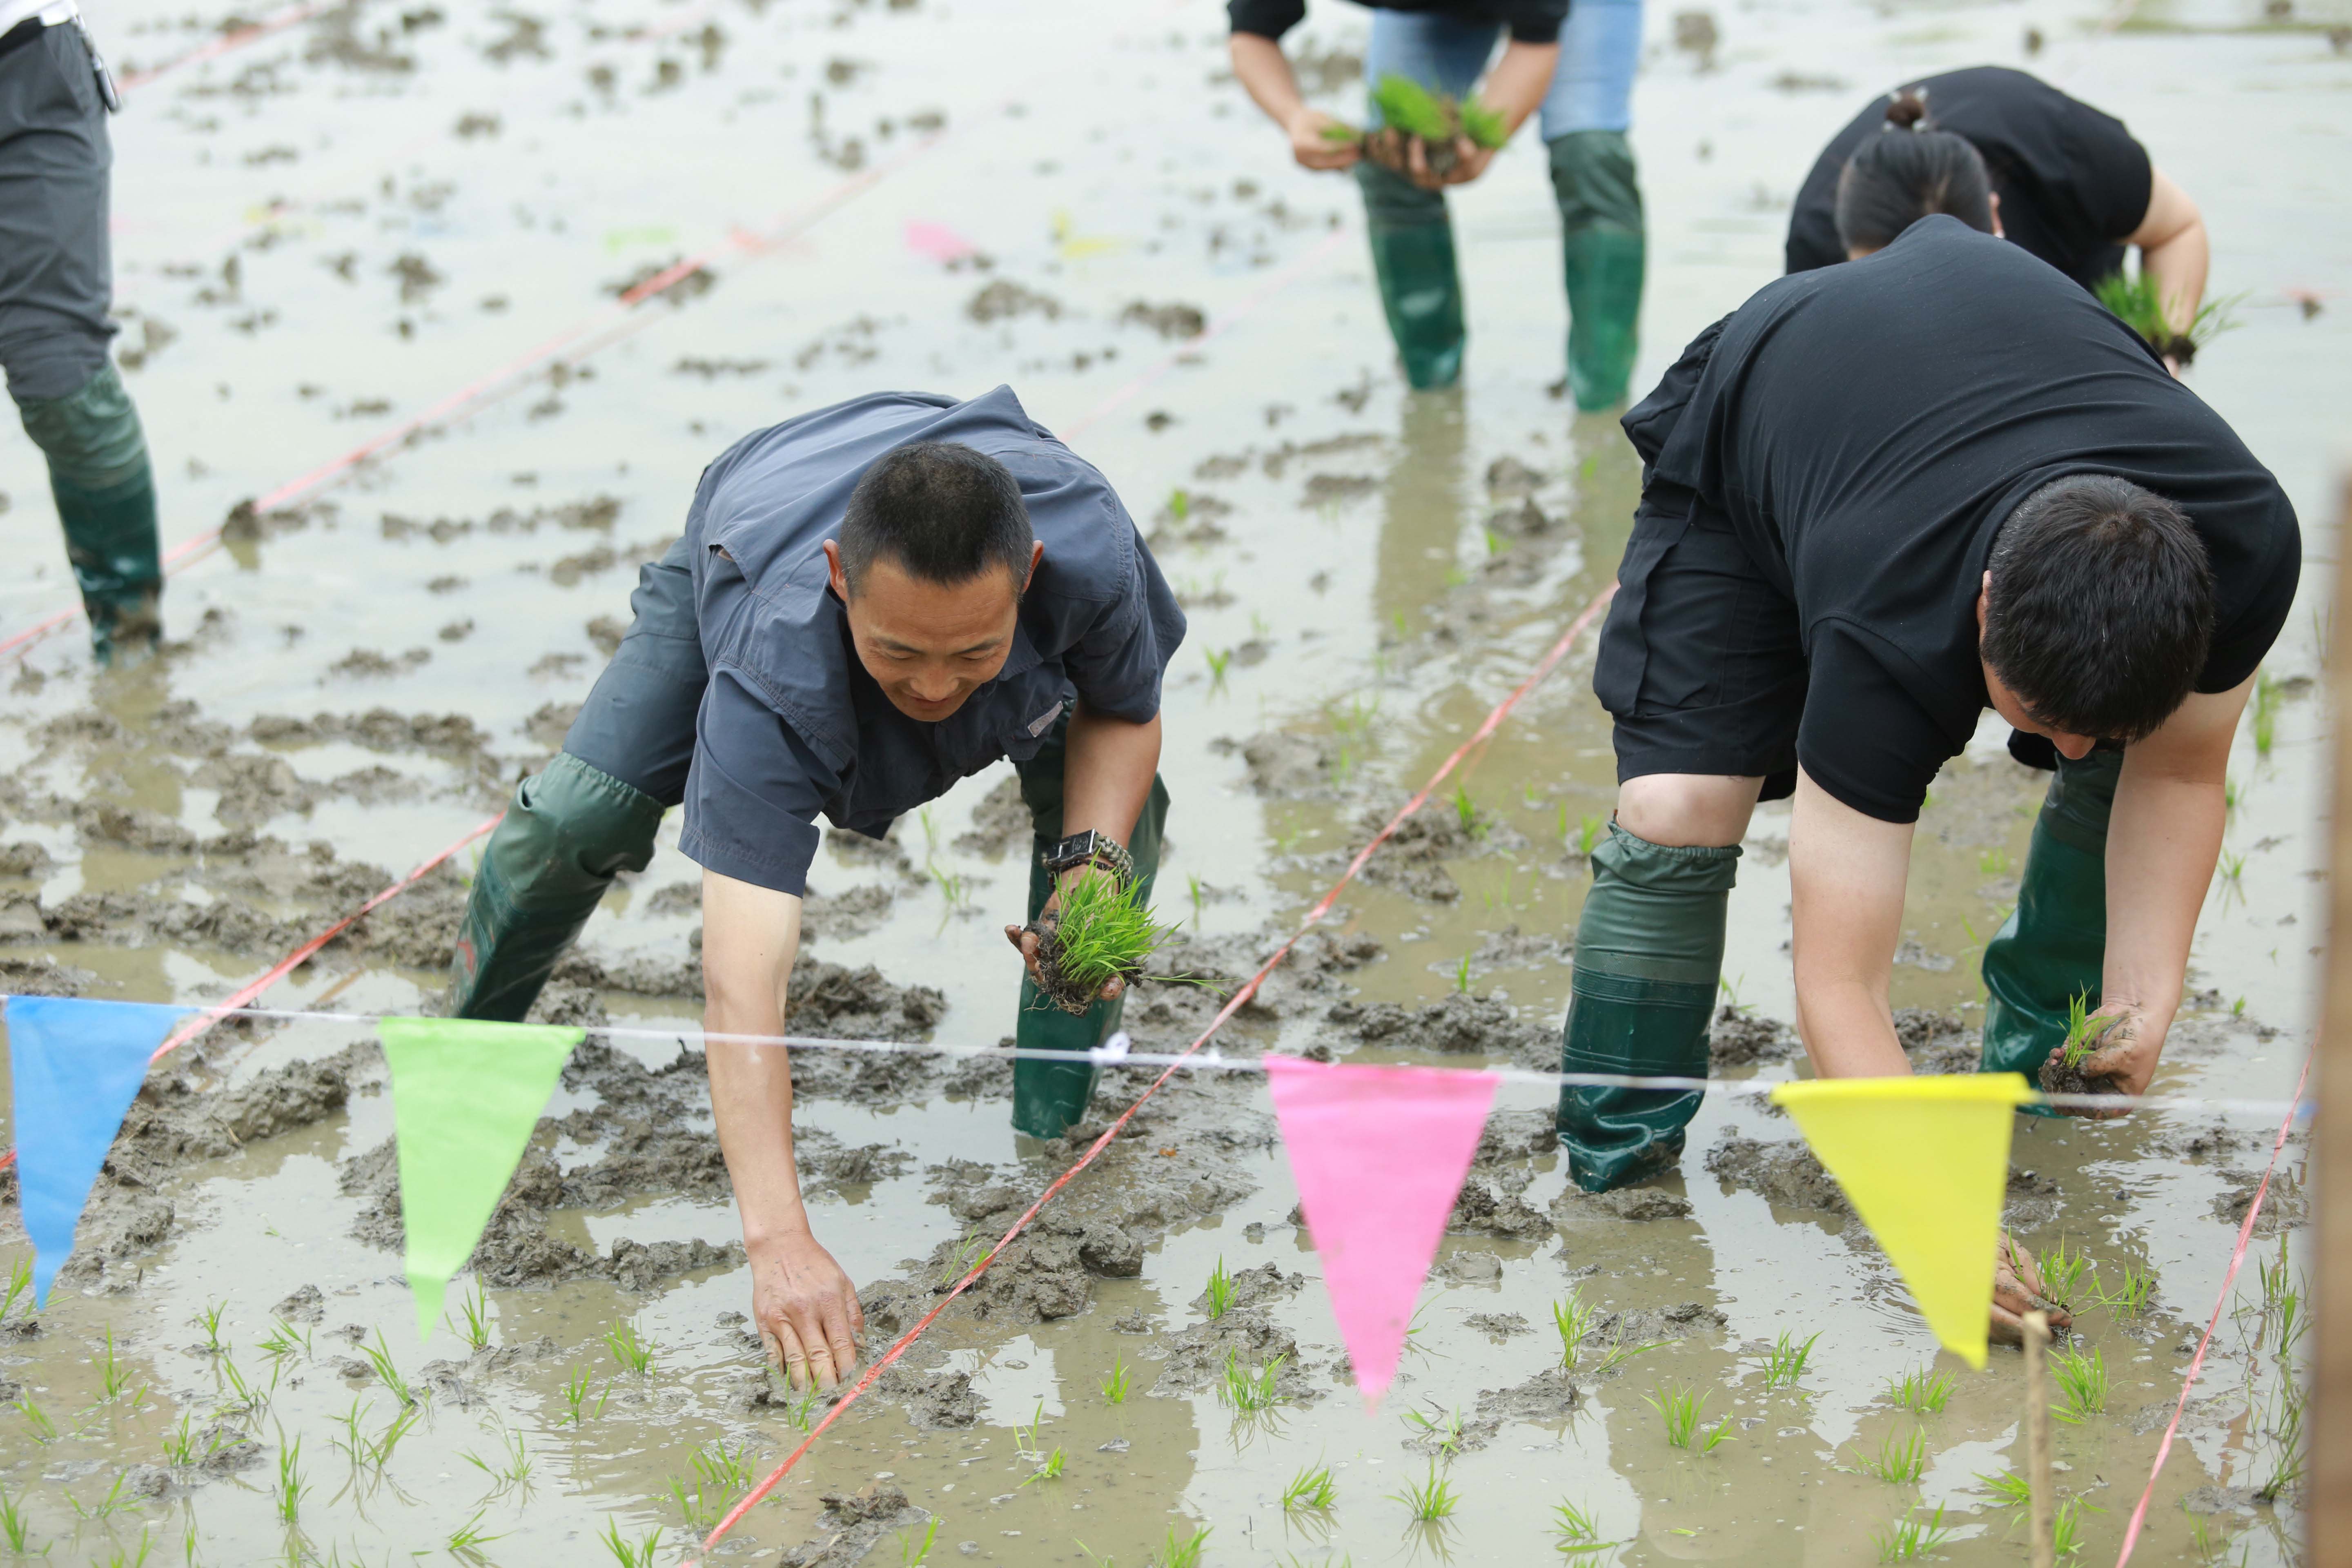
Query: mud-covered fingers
786,1354
2007,1327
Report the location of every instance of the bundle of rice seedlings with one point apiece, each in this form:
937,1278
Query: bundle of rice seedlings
1104,933
1415,113
2136,302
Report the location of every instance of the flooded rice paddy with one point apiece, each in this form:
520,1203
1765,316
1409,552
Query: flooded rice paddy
325,234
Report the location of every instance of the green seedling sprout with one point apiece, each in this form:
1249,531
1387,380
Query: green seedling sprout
20,1281
1461,975
632,1352
509,1470
209,1319
113,1502
1429,1500
1182,1551
283,1341
1785,1362
575,1392
2135,300
2062,1273
1921,1392
2009,1489
1445,1427
44,1429
1993,862
1220,1291
1412,108
1114,1387
2269,695
2083,1031
1105,933
1572,1320
1250,1392
291,1487
14,1528
1311,1488
379,1355
2081,1381
1895,1463
1576,1532
476,1308
1180,503
113,1377
1587,834
638,1555
466,1541
1908,1538
1681,1409
1465,812
2066,1537
1218,661
1619,1353
2130,1298
913,1553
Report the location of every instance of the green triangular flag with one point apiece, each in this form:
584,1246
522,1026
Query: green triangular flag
465,1097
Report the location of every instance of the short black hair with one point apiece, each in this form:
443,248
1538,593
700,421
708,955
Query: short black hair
944,512
1907,171
2100,611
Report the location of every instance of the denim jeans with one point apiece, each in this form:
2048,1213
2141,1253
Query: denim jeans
1592,89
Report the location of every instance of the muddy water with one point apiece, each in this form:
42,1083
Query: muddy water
411,200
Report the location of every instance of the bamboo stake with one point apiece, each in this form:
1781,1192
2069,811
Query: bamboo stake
2041,1520
2327,1493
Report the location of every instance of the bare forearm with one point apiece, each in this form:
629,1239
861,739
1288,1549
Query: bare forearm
1265,75
1848,1027
2178,270
1108,772
2163,839
1517,86
1846,874
750,937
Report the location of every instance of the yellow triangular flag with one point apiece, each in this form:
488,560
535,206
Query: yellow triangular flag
1925,1162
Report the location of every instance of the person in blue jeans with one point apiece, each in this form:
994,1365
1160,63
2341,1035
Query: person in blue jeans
1572,70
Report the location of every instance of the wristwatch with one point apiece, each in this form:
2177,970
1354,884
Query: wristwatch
1101,849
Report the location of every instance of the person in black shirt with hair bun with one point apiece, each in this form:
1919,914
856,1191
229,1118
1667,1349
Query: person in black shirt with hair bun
2009,154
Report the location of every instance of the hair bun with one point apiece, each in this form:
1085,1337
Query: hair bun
1907,109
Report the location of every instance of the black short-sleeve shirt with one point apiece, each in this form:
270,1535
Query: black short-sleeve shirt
2072,181
792,726
1866,428
1530,21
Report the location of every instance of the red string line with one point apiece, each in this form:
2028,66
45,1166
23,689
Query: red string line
2237,1260
277,22
1233,1004
294,959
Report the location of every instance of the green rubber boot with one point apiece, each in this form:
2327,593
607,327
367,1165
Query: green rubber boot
1420,290
1649,956
1048,1098
1601,256
105,491
2051,947
570,830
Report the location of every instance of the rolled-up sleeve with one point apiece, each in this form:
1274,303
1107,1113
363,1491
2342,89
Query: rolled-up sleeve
753,793
1265,18
1536,21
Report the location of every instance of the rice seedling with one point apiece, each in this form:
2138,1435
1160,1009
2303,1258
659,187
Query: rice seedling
2010,1489
180,1445
1895,1463
2131,1294
1114,1387
2233,868
2062,1272
575,1394
292,1488
14,1528
1252,1390
2067,1538
1220,1289
2083,1030
476,1309
1587,834
2284,1428
1311,1488
1181,1551
1572,1320
633,1354
2268,697
1619,1353
373,1453
701,1509
1445,1427
20,1281
1907,1538
1786,1361
511,1469
630,1554
1049,1467
379,1356
284,1340
1921,1392
1219,659
1429,1500
209,1319
44,1429
113,1377
1180,503
466,1541
112,1503
1103,932
1461,976
1680,1410
1465,812
123,1557
2135,300
1994,862
1576,1532
913,1553
2232,796
1437,119
2081,1381
953,887
968,1254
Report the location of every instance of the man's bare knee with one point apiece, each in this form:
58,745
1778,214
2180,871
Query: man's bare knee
1687,810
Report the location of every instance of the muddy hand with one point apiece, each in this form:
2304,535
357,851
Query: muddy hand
2126,1058
807,1311
2017,1289
1026,941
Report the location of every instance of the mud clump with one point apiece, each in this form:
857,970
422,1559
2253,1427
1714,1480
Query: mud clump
1286,766
2057,1077
1004,300
1197,1357
1486,1207
1738,1037
1547,1399
1000,823
1937,1043
933,1400
1456,1024
1635,1203
854,1525
1786,1175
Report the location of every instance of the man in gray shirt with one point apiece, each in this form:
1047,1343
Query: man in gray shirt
56,289
870,603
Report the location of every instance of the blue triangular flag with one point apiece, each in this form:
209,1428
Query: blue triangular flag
74,1067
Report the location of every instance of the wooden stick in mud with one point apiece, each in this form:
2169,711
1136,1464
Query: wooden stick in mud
2327,1491
2039,1519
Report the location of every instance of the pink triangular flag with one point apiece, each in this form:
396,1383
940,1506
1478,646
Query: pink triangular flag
1379,1154
939,242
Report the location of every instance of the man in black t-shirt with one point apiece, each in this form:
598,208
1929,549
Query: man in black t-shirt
1879,499
2069,184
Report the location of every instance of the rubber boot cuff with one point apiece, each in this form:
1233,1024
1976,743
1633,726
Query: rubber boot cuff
2052,947
569,830
1421,286
1649,955
1603,258
105,491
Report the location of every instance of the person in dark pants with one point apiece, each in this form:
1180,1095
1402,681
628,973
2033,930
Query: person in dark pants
2009,154
1573,70
869,602
56,289
1879,499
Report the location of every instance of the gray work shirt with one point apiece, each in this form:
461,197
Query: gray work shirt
793,726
